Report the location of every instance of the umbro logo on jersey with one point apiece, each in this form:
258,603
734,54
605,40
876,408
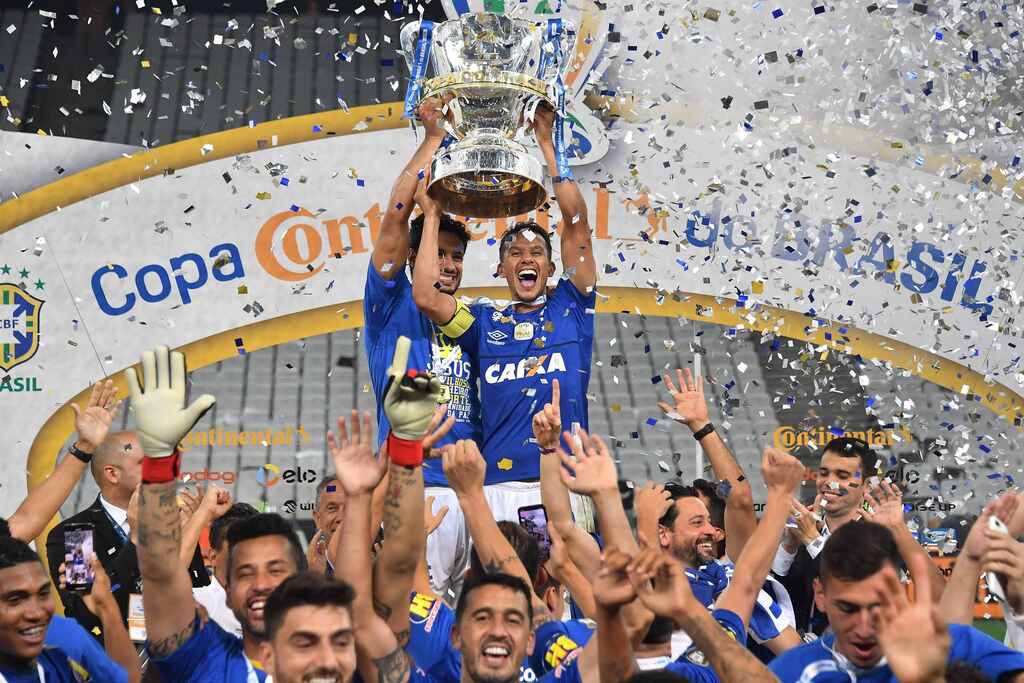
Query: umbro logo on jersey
527,367
496,337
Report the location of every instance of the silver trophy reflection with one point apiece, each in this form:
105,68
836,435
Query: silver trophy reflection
496,67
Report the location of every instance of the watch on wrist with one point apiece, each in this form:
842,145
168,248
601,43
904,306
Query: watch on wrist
80,454
704,431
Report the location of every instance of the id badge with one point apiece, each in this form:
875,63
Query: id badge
136,619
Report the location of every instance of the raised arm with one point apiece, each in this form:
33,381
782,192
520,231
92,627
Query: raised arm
391,247
689,407
92,424
593,473
782,474
435,304
582,548
162,419
214,504
381,658
577,248
465,468
886,508
661,584
612,591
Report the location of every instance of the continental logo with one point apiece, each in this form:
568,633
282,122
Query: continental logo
559,650
260,439
788,437
423,610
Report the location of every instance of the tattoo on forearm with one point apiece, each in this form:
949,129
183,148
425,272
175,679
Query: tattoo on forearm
496,566
159,521
393,668
399,481
383,610
167,646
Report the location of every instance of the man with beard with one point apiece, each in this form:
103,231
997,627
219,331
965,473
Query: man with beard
686,533
519,348
309,631
389,311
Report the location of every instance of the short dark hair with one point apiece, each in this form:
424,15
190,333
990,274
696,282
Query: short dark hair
5,529
14,551
306,588
657,676
448,224
660,631
965,672
716,507
676,490
324,483
219,527
523,226
857,550
851,447
258,526
525,546
474,583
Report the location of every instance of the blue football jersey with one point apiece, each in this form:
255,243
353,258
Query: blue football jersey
819,662
210,655
707,582
388,313
517,356
693,664
554,641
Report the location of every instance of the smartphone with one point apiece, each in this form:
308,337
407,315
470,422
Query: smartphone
78,574
534,519
992,583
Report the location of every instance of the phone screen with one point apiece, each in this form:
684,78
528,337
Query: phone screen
77,549
534,519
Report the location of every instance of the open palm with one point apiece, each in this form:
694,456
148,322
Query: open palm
689,405
593,470
358,471
93,422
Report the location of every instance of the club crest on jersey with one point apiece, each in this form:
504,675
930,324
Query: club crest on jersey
523,331
496,373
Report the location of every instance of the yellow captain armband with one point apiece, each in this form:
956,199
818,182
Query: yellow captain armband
460,322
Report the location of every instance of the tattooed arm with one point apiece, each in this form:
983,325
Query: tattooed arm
404,540
465,467
166,587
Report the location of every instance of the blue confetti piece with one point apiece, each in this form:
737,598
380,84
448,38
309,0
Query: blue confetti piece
777,13
284,181
294,207
360,182
651,421
656,379
317,129
985,448
399,206
994,476
491,241
938,35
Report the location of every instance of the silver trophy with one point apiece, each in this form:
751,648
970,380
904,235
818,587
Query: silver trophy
496,67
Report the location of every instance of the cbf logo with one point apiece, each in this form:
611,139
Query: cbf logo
19,327
596,44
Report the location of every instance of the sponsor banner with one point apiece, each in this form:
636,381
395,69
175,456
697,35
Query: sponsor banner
208,249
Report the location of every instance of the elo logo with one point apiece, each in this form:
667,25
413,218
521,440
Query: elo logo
153,282
270,475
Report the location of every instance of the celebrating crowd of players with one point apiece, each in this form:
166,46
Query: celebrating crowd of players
422,568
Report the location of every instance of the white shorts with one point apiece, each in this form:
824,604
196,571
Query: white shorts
448,548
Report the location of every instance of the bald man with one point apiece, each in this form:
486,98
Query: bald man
117,469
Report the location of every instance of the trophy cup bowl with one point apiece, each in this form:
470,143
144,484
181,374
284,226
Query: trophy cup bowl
495,67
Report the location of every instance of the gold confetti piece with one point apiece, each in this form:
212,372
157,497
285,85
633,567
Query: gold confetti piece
262,195
41,132
757,287
242,289
4,102
505,464
353,38
616,408
145,63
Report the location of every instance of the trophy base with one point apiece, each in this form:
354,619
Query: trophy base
487,179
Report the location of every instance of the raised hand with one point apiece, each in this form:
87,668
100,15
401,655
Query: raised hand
1004,555
424,200
436,431
464,467
93,422
886,505
806,522
547,424
782,472
1005,507
161,417
912,635
688,403
661,583
357,469
410,400
431,113
593,471
612,586
651,501
216,502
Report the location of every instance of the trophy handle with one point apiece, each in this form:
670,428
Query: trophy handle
408,41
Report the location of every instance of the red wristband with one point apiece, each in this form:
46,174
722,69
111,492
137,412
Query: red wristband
161,470
405,452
